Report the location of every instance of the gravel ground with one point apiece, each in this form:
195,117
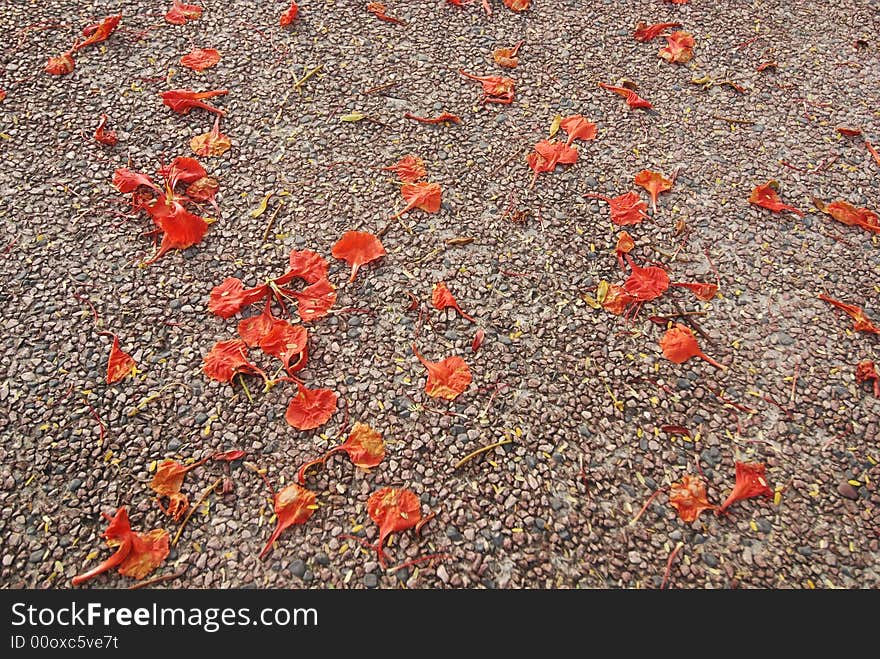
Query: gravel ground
581,393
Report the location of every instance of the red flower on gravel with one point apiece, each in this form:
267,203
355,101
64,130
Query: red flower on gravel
654,183
846,213
103,136
645,32
442,298
137,554
688,497
98,32
290,15
228,359
409,169
679,345
199,59
310,408
180,13
866,371
447,378
633,100
61,65
679,48
750,482
422,195
645,284
767,196
578,127
861,323
357,248
120,364
293,505
626,209
213,143
393,510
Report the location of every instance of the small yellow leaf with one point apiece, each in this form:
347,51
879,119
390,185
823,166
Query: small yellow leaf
259,210
352,116
554,125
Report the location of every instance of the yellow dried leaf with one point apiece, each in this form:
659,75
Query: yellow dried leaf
352,116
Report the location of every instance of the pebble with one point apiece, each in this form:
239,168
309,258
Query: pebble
298,567
371,580
848,491
710,559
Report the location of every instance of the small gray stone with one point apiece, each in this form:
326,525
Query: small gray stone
453,533
710,559
36,556
298,567
74,485
371,580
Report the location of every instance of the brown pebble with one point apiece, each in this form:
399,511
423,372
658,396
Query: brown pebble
848,491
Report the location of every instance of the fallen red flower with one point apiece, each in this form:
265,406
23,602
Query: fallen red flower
442,298
860,320
645,32
633,100
136,554
393,510
293,505
310,408
866,371
409,169
199,59
688,497
120,364
98,32
750,482
766,196
444,118
626,209
679,345
183,101
378,10
290,15
180,13
358,248
496,89
447,378
61,65
107,137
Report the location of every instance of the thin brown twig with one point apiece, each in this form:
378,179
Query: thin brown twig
380,88
645,506
470,456
272,221
101,426
299,83
731,120
205,493
671,558
159,579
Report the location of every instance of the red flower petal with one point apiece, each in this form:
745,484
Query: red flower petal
447,378
688,497
750,482
293,505
310,408
119,364
358,248
199,59
393,510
